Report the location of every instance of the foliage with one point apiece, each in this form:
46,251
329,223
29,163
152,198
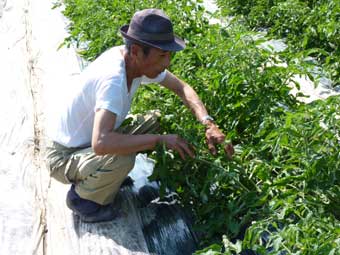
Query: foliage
307,24
280,193
94,24
251,88
295,167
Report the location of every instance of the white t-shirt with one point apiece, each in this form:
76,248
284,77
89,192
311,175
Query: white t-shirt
102,85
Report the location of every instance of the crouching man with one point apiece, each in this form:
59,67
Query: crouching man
89,148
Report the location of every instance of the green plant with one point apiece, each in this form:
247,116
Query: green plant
309,24
280,192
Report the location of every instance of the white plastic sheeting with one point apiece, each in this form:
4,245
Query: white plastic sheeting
33,215
20,205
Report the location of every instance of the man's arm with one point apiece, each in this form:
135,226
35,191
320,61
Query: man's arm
106,141
190,98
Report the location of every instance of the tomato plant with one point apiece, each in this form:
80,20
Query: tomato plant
280,192
307,24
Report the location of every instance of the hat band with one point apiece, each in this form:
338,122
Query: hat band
149,36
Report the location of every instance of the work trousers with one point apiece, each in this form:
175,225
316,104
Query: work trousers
97,178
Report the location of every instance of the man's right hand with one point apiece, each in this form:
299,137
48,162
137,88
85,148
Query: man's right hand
177,143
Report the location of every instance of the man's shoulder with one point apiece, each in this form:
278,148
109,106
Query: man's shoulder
108,65
113,53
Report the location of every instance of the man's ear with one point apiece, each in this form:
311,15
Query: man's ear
136,51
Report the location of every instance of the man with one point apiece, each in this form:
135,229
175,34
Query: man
89,148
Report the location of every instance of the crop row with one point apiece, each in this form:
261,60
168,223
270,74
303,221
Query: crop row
280,193
310,27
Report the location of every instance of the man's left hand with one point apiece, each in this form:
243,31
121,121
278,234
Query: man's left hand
215,136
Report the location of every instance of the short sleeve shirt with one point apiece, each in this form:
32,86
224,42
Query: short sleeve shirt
102,85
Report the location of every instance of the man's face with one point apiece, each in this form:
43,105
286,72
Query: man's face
155,62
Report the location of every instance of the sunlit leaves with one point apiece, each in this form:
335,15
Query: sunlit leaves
281,189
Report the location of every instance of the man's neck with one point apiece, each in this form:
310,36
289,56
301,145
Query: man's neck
131,70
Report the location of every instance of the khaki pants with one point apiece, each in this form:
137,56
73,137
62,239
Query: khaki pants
97,178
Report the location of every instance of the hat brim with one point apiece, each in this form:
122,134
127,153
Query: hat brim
177,45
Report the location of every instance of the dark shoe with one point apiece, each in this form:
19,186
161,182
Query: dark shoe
89,211
128,182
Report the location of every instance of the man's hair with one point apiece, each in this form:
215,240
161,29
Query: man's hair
128,43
